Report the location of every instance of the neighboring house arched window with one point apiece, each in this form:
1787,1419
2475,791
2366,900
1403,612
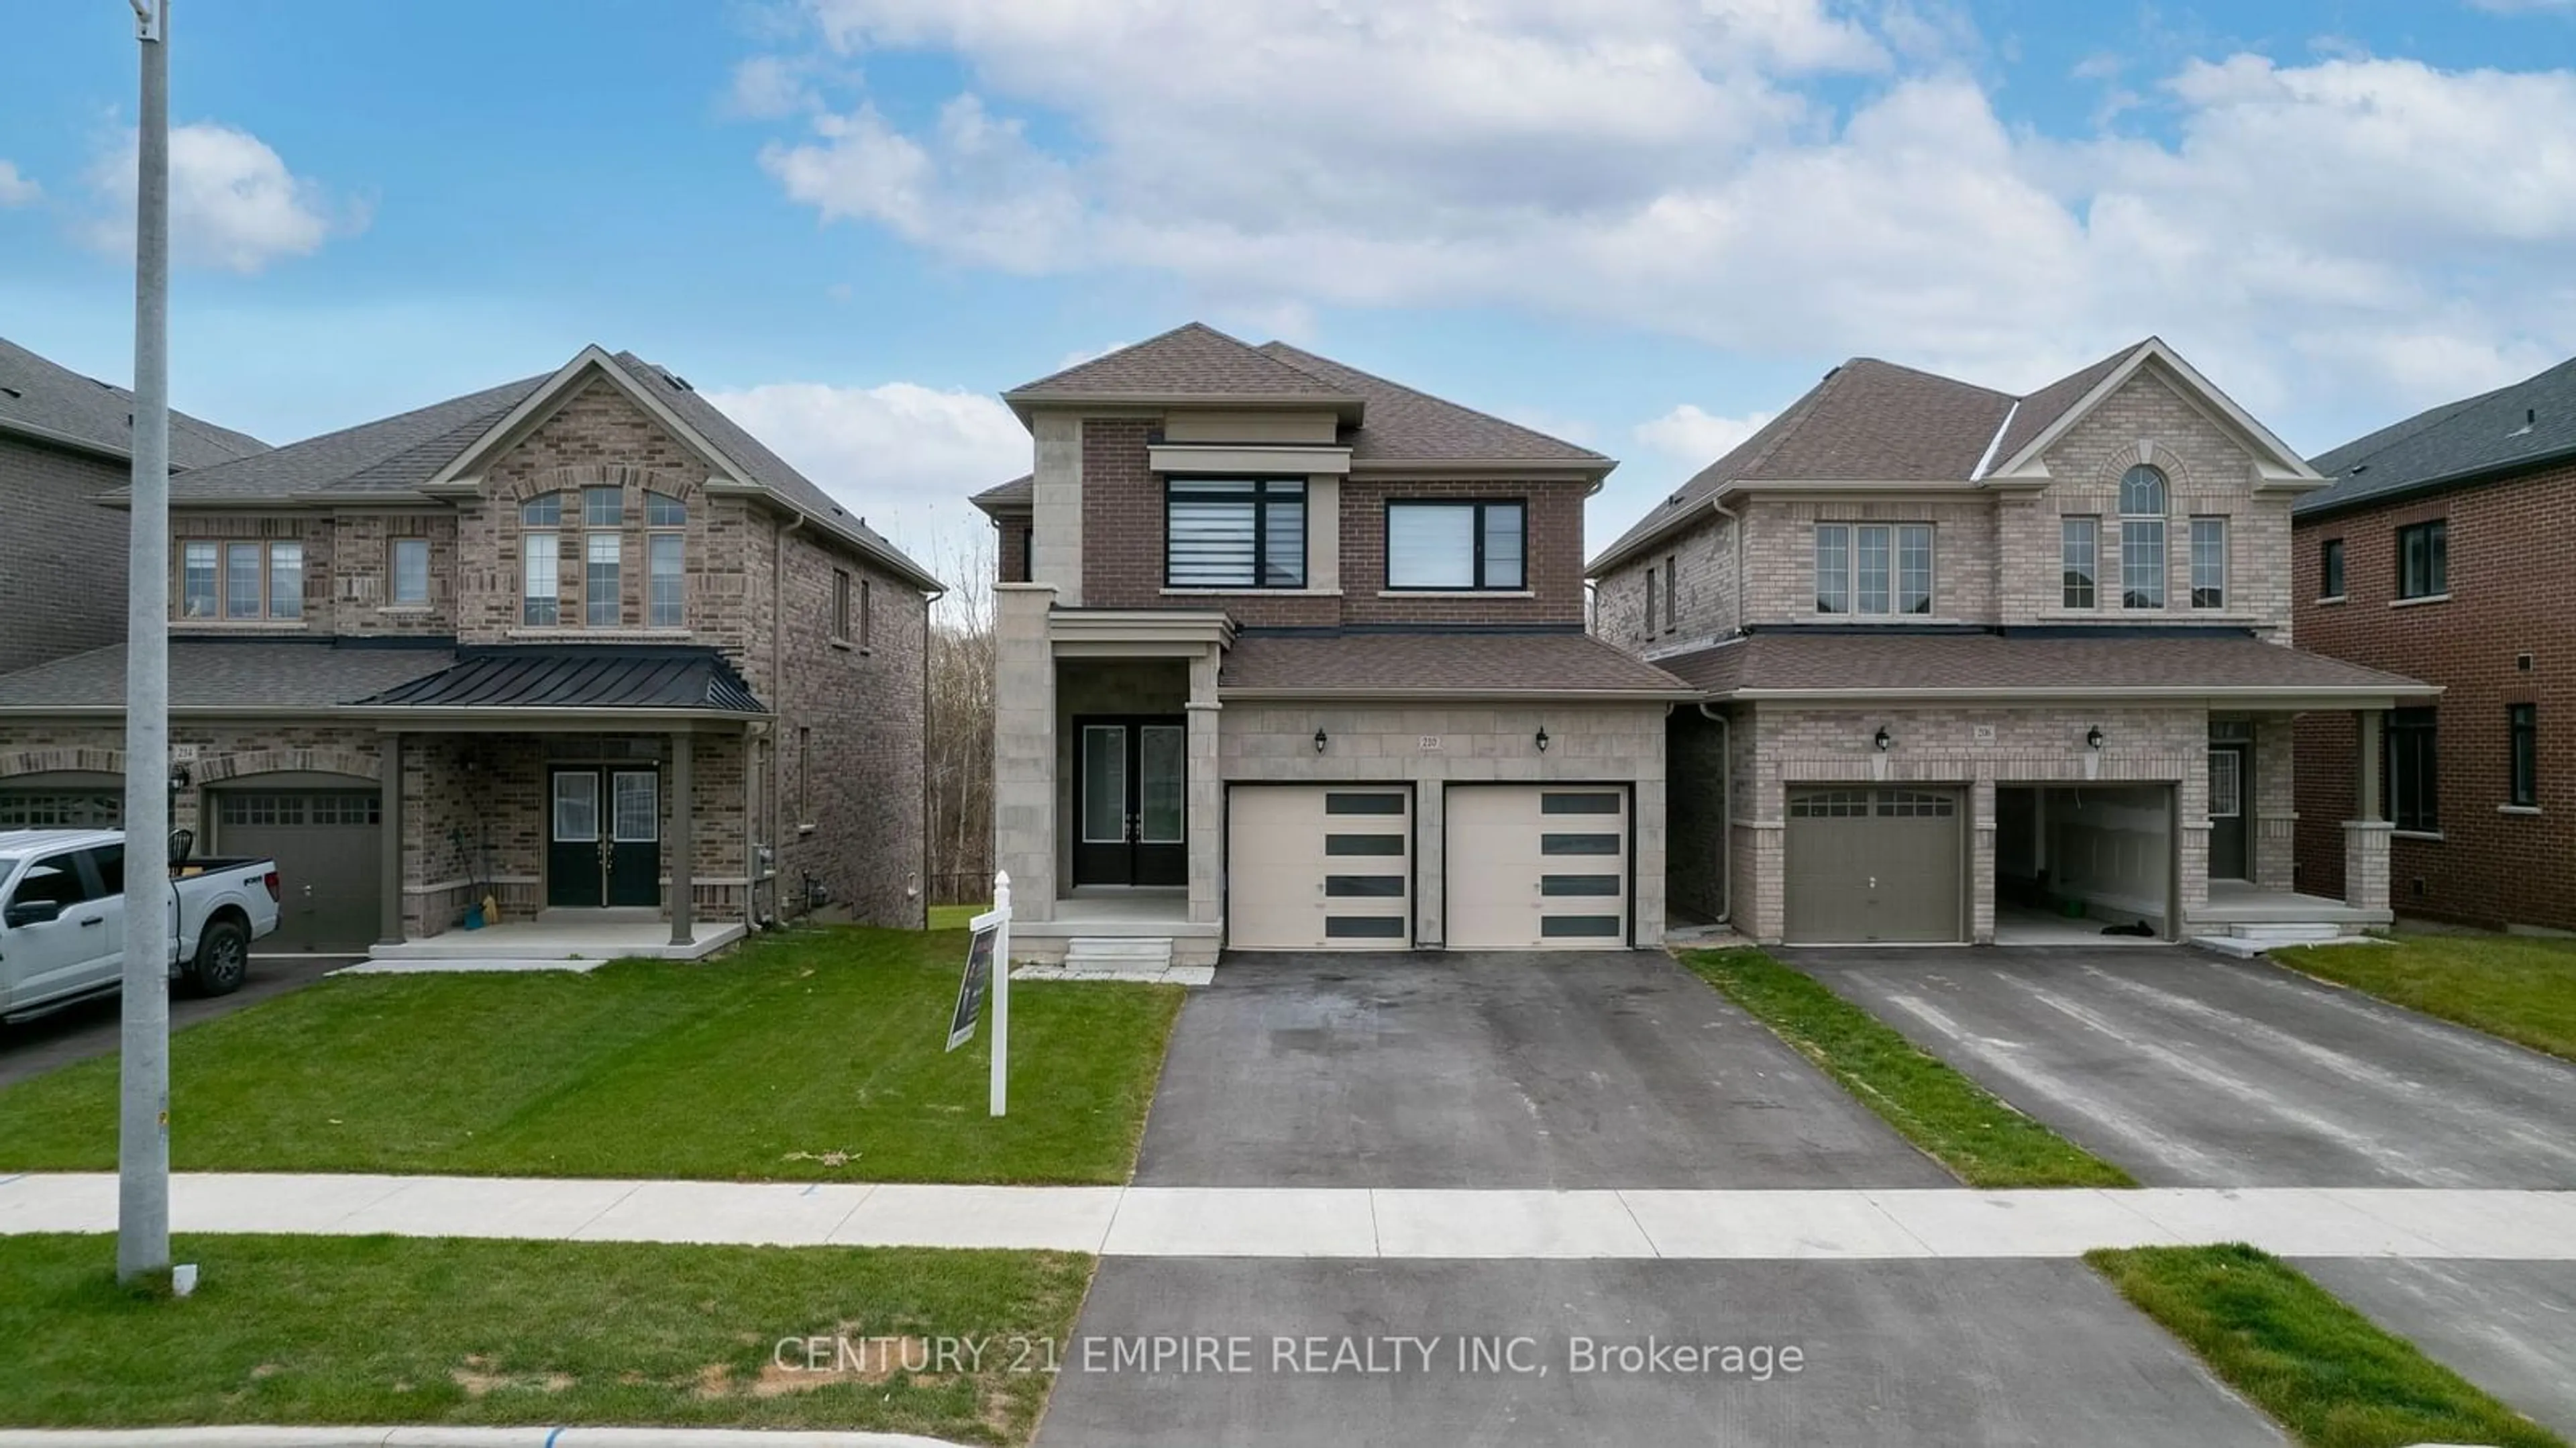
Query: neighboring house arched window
2142,537
540,561
666,602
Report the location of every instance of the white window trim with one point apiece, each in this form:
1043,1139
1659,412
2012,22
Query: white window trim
2093,524
1851,610
2226,562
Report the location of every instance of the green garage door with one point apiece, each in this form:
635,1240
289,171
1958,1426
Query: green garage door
1873,866
325,842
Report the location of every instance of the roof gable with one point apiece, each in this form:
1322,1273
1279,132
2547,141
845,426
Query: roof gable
2527,423
1191,362
2274,460
1403,424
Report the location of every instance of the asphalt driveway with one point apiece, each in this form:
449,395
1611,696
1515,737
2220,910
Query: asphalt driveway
2190,1070
1599,1069
77,1033
1902,1353
2509,1327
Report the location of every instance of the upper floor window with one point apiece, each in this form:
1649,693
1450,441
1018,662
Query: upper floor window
2142,492
1234,533
665,545
1455,545
1672,606
2330,569
1874,568
2209,562
1646,618
2423,560
241,581
841,604
540,561
407,573
2142,537
2079,549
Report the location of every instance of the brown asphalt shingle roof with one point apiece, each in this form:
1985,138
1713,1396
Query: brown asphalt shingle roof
1873,421
1192,360
1402,424
1907,662
1016,496
1417,664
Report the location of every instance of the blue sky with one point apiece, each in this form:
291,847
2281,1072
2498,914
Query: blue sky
1644,224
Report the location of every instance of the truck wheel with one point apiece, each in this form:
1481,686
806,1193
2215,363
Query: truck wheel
223,958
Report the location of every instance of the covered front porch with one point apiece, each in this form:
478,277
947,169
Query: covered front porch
562,935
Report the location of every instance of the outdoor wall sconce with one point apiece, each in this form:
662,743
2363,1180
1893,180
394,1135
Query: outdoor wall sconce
2093,737
1882,741
1542,739
1319,741
179,777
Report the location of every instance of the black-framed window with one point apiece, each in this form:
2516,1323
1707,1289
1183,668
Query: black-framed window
2414,795
2522,753
1456,546
2423,559
2330,569
1234,533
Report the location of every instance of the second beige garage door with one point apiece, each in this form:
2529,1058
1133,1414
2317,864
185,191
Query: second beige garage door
1874,866
1537,867
1312,867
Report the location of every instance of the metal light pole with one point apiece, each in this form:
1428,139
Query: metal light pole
143,1115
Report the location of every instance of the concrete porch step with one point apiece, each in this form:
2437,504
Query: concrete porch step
2279,932
1130,952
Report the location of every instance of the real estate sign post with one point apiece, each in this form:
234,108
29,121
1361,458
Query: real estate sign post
988,966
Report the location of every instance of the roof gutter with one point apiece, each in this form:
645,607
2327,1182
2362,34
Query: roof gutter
1500,696
66,440
2335,696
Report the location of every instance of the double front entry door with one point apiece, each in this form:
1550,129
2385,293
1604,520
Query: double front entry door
604,836
1132,800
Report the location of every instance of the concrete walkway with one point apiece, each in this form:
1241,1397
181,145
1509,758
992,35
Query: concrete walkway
1345,1222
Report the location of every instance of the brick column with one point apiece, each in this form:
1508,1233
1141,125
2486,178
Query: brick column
390,844
682,844
1204,793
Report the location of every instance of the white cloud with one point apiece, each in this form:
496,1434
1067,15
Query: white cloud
768,87
1691,435
903,456
2523,7
2372,231
233,203
15,189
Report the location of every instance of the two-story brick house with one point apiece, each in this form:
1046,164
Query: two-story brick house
2438,552
65,440
576,644
1978,666
1293,658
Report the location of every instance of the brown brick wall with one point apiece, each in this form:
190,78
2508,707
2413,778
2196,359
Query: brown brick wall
1122,545
313,530
358,582
2511,548
1012,550
62,561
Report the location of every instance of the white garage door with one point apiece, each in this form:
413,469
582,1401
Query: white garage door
1534,867
1318,868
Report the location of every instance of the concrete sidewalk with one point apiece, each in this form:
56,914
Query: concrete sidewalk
1345,1222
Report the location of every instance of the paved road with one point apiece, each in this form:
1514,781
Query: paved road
32,1048
1893,1353
2509,1327
2190,1070
1609,1069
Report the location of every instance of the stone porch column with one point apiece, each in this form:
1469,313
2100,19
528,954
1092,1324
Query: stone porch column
390,843
2365,837
1205,794
1024,821
682,844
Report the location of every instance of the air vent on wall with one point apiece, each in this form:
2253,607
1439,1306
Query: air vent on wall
2522,662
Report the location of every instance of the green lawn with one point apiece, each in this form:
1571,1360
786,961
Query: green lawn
955,917
1984,1141
2513,986
323,1330
2331,1376
813,1055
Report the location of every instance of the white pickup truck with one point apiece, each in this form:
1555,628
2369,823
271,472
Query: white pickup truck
62,918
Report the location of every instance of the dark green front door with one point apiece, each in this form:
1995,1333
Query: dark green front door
604,840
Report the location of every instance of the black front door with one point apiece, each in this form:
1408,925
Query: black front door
2231,785
604,838
1130,801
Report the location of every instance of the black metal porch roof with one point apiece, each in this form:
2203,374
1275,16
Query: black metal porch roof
583,676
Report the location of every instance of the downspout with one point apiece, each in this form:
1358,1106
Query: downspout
1725,810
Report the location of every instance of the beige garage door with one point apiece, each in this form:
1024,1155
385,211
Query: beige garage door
1534,867
1874,866
1319,868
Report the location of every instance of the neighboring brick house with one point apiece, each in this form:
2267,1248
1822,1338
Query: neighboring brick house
632,665
1293,658
65,440
1974,666
2438,551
